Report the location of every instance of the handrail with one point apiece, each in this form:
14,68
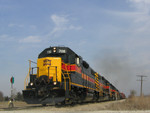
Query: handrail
28,75
66,77
69,80
55,73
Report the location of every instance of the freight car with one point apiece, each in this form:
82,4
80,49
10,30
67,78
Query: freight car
61,76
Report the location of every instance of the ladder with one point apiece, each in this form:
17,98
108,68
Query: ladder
67,81
97,82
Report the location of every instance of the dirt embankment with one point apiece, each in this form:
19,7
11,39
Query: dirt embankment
132,105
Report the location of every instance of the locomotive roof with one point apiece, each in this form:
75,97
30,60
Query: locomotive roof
56,50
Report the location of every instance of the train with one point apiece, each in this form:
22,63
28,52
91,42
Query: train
60,76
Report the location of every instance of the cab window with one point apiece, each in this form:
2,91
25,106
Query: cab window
78,61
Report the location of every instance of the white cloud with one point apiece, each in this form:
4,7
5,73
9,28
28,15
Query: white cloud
32,27
141,4
141,20
31,39
59,20
6,37
138,18
15,25
141,12
62,23
128,15
71,27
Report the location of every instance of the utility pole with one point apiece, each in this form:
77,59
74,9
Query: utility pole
141,76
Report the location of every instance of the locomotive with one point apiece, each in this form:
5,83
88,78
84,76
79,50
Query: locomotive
61,76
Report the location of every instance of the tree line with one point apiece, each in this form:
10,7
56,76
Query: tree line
17,97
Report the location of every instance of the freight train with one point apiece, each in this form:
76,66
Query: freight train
61,76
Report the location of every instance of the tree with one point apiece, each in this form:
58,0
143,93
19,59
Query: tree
132,93
1,96
19,96
6,98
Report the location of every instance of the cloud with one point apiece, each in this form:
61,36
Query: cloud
141,20
31,39
15,25
62,23
138,16
141,12
141,4
59,20
12,25
71,27
33,27
6,37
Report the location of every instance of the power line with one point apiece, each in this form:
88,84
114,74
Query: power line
141,76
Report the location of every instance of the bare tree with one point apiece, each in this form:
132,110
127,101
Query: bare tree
19,96
132,93
6,98
1,96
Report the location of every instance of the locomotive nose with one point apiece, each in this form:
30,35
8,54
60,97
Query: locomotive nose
49,68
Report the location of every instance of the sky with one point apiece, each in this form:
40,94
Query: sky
111,35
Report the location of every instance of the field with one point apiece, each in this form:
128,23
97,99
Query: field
135,104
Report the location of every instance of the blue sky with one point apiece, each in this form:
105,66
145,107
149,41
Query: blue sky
111,35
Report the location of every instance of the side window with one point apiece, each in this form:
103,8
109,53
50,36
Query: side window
85,64
78,61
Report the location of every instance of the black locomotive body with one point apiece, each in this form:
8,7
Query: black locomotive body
62,76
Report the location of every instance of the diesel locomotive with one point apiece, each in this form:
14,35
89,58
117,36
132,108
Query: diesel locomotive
61,76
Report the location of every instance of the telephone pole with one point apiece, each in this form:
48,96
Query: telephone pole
141,76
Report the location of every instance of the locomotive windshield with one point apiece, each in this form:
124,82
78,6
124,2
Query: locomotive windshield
63,56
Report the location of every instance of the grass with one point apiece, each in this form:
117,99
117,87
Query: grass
134,103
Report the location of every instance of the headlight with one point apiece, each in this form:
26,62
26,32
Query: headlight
31,84
55,83
54,49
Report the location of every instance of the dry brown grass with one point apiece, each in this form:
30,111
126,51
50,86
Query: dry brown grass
17,105
134,103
